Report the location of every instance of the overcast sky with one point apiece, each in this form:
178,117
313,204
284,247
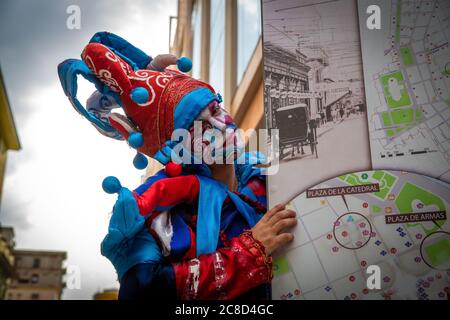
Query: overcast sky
52,192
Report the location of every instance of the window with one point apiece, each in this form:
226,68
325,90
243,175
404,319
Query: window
197,44
217,46
36,263
35,296
248,33
34,278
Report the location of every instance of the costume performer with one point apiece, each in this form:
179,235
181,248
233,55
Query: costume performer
182,233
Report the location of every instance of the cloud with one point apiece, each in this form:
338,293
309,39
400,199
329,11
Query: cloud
52,191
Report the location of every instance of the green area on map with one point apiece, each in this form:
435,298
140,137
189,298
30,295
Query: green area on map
280,266
439,252
410,193
394,90
385,180
407,57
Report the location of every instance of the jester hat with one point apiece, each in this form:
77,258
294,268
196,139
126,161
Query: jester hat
156,101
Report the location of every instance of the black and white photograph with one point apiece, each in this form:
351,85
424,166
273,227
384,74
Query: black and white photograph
313,92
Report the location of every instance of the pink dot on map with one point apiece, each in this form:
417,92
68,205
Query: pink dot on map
420,205
363,263
365,205
351,278
365,291
353,296
297,292
417,259
329,236
418,236
393,250
344,233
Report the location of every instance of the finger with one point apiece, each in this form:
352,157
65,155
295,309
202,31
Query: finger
282,215
283,224
283,239
274,210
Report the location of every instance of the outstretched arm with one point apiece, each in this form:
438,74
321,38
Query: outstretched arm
168,192
224,274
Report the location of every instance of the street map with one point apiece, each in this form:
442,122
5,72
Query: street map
407,81
393,220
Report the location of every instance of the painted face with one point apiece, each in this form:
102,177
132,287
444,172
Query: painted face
219,142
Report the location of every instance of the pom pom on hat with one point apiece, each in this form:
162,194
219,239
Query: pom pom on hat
139,95
184,64
111,185
173,169
140,161
136,140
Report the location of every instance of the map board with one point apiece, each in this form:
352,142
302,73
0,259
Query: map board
391,219
407,80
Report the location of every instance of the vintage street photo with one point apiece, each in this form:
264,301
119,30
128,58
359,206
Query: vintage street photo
313,92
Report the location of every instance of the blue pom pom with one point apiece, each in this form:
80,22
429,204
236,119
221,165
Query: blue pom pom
136,140
111,185
139,95
184,64
140,161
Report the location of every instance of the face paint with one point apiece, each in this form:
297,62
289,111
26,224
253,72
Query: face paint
219,142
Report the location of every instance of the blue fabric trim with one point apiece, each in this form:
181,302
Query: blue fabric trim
244,167
190,106
250,215
128,242
137,58
161,174
211,198
68,72
181,241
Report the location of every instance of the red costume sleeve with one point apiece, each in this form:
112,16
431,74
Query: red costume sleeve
168,192
226,273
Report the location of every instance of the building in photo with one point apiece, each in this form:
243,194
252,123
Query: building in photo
285,80
314,92
39,275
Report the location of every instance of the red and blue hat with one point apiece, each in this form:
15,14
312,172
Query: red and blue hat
157,102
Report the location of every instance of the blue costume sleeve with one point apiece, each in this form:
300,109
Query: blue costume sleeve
146,281
128,242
